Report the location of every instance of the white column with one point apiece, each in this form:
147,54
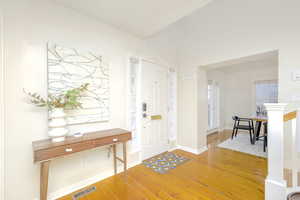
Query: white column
297,143
275,185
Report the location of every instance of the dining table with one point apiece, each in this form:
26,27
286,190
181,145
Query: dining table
259,120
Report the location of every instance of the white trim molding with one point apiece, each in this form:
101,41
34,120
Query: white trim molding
214,130
275,106
2,113
192,150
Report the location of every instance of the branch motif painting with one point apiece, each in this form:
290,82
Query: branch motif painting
69,68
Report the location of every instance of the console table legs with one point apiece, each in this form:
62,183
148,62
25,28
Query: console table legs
124,157
124,160
115,158
46,164
44,179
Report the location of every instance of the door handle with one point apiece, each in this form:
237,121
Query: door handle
156,117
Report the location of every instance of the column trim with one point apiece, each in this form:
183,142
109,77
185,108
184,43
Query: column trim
2,113
275,106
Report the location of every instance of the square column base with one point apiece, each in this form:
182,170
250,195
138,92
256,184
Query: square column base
275,190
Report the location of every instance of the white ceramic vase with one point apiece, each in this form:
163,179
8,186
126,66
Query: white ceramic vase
57,125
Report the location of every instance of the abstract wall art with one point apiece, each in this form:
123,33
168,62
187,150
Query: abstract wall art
69,68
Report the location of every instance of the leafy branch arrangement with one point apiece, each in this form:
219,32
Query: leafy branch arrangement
67,100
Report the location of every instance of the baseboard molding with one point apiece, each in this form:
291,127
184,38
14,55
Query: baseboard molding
192,150
210,132
173,149
77,186
215,130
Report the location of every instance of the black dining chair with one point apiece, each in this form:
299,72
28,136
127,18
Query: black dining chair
264,137
243,124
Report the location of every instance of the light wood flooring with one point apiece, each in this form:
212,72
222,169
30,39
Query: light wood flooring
217,174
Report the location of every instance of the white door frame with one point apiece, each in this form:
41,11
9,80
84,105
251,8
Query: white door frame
2,112
172,136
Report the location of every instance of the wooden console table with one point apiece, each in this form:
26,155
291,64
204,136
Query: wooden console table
46,150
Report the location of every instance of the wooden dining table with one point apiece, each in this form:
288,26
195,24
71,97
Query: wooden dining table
259,119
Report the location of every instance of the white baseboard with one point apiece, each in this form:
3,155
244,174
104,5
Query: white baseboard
212,131
218,130
77,186
191,150
228,128
173,148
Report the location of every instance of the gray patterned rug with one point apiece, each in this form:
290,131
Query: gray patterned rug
242,143
164,162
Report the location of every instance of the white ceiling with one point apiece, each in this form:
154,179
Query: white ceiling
142,18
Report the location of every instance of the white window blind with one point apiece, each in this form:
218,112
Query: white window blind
266,92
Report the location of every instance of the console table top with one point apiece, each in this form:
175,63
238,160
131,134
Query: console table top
47,143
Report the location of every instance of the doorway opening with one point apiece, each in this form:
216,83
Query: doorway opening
238,89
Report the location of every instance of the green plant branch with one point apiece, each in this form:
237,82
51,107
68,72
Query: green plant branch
70,99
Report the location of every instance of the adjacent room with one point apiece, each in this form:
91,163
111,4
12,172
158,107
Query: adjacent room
237,92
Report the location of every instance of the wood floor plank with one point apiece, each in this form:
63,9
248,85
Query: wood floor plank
125,188
199,190
217,174
160,182
253,171
234,187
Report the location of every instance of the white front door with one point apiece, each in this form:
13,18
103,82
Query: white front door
154,100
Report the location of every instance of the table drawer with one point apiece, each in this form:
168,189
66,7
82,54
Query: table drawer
50,153
112,140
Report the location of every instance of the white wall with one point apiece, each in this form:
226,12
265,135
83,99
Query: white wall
237,87
230,29
28,25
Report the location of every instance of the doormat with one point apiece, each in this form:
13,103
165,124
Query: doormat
164,162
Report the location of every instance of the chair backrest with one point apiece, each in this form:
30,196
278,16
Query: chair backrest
235,118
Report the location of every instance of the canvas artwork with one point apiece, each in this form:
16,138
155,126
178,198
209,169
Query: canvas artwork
69,68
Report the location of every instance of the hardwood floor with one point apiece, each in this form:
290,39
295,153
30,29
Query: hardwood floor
218,137
217,174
